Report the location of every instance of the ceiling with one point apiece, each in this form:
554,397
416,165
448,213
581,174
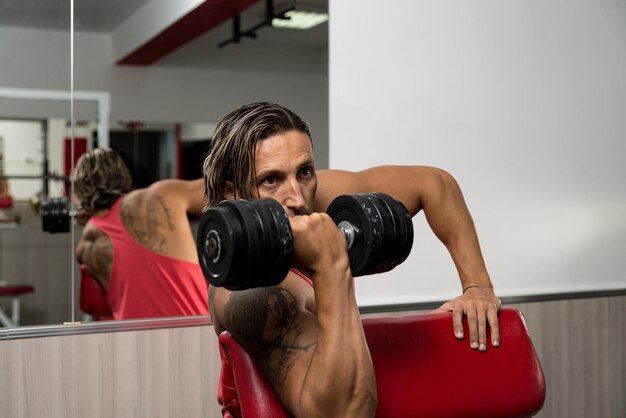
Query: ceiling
89,15
270,50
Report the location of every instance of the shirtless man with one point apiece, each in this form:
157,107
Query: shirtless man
308,338
139,244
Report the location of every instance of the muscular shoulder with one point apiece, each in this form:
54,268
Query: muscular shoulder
183,195
177,196
95,251
148,217
142,202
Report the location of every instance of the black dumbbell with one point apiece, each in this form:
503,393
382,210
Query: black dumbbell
378,228
245,243
248,243
55,215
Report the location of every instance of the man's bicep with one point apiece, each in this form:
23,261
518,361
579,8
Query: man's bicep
277,332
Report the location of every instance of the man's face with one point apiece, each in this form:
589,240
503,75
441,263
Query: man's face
285,171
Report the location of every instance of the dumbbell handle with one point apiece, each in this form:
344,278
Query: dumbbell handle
350,231
214,240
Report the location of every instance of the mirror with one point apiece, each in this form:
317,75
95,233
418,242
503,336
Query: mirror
162,97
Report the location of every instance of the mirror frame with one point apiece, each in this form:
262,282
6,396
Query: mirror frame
101,98
74,328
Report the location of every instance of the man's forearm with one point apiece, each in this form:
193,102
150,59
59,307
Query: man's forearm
340,379
450,220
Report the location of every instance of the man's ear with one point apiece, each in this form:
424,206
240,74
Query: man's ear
229,190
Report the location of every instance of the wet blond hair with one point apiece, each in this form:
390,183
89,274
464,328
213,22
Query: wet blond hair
232,155
100,178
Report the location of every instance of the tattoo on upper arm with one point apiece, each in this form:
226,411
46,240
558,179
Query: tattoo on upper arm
266,322
142,216
98,257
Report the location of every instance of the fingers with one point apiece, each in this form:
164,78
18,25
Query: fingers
473,323
492,317
482,329
457,318
317,242
482,317
472,326
478,322
457,323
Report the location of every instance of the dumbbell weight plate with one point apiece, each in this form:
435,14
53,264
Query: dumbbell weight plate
55,215
359,212
220,238
385,230
398,233
245,243
270,248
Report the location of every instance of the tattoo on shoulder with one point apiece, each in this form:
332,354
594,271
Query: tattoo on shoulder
142,216
265,321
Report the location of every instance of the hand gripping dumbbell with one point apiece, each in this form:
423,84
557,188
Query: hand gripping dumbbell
248,243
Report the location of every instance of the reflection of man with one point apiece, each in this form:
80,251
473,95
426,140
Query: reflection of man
308,338
139,244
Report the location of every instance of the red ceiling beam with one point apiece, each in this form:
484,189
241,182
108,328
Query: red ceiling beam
200,20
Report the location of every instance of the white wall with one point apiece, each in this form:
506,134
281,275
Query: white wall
41,59
524,102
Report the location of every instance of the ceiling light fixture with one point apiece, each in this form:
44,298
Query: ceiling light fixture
297,19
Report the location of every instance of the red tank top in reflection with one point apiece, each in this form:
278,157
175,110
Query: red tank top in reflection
146,284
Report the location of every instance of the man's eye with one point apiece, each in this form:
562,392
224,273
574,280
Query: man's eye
307,171
269,180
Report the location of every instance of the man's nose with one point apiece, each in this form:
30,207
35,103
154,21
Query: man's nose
294,199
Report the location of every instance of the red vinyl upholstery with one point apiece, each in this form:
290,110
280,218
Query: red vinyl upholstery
93,298
16,289
244,391
6,202
15,292
422,370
